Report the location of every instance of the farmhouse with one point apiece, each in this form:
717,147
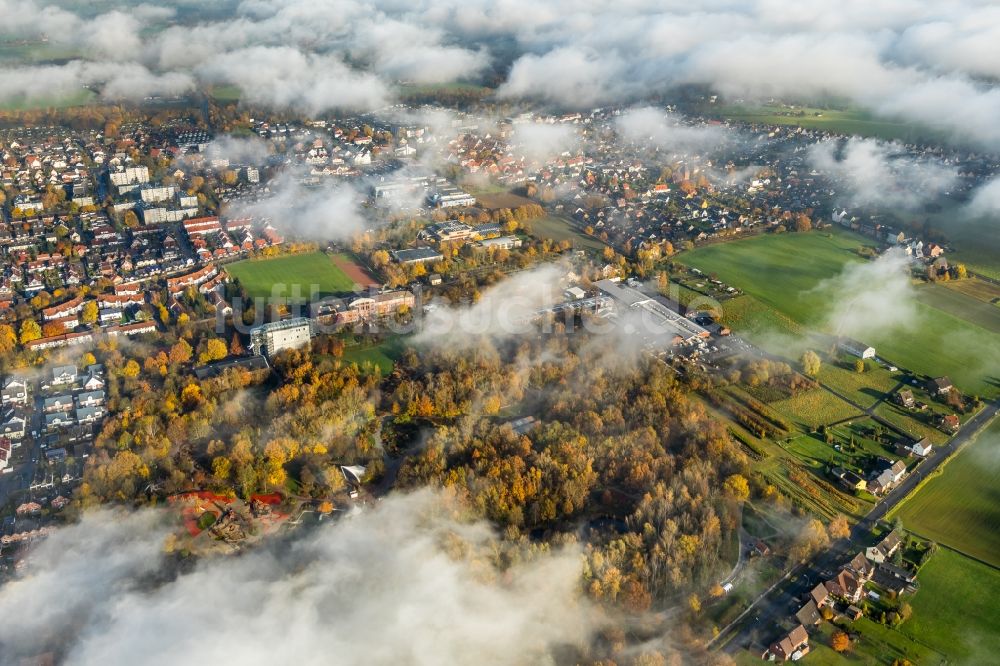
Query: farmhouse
856,348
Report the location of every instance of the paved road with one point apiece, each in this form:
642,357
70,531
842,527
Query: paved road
759,623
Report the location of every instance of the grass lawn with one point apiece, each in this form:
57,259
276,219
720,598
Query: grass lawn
813,408
260,276
781,271
559,228
955,610
383,355
960,507
814,451
865,388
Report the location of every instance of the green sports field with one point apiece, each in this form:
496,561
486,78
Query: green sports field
264,277
783,271
960,507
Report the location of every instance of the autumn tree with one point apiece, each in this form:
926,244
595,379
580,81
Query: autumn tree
181,352
859,366
131,369
840,641
811,363
737,487
811,539
88,315
8,338
839,527
215,350
30,330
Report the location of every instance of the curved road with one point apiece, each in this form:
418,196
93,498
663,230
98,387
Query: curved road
760,621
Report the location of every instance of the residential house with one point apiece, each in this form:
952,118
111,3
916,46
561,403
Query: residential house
905,398
820,595
922,448
94,380
808,615
13,425
949,423
90,399
845,585
57,421
87,415
14,392
57,403
885,549
792,646
63,375
897,471
861,567
940,386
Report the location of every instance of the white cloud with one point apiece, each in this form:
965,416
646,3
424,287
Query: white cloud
880,174
385,586
651,127
871,299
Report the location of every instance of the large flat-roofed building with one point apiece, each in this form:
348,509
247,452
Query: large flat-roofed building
417,255
660,323
269,339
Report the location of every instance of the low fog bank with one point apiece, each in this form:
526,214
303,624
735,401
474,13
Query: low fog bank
407,581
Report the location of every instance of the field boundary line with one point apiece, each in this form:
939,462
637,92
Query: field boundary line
939,470
955,550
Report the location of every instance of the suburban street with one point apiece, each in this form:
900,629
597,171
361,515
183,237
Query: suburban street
760,621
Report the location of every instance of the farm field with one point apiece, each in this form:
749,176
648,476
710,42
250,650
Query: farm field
813,408
841,121
978,289
80,97
780,269
960,507
559,228
959,304
762,324
259,276
956,608
774,270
